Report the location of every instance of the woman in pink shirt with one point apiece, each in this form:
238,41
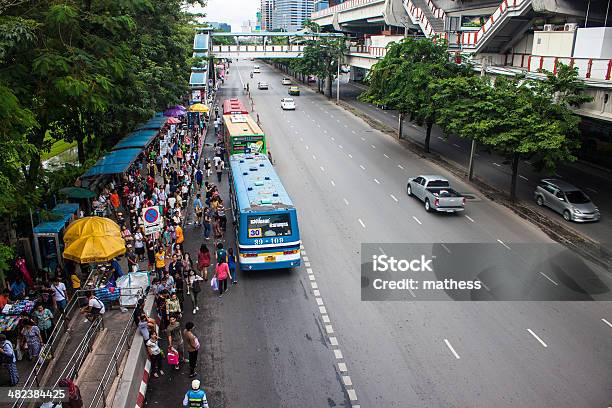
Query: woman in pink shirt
223,273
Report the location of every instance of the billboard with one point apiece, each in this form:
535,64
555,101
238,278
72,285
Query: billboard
473,22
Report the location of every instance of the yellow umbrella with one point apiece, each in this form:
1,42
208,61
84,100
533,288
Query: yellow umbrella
86,226
97,247
198,107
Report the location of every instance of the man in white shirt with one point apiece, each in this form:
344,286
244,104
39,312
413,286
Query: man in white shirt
95,308
59,294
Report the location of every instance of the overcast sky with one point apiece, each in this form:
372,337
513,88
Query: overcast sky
233,12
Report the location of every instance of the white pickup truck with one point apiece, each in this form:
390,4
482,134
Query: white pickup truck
436,193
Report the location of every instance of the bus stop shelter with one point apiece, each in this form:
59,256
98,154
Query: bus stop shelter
48,236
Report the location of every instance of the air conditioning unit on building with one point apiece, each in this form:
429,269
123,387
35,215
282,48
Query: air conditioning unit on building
548,27
570,27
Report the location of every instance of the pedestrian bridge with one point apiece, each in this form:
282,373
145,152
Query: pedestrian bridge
263,44
257,51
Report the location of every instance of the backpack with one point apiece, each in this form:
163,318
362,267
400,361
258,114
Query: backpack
195,286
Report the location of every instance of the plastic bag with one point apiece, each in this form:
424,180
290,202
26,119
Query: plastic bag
173,356
214,283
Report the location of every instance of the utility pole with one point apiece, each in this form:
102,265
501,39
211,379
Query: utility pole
483,71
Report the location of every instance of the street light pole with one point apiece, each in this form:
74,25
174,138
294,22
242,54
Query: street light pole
338,84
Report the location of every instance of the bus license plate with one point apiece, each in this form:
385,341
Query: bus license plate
270,258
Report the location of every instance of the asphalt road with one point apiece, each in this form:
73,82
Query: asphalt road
304,338
496,171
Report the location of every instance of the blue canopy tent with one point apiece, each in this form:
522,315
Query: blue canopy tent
140,139
115,162
155,123
48,236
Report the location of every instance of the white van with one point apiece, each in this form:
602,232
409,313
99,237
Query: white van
256,69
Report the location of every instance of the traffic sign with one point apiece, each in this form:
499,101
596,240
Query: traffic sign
152,219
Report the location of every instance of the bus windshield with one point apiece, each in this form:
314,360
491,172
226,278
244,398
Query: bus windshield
268,225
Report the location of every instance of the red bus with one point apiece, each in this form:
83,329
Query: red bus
233,106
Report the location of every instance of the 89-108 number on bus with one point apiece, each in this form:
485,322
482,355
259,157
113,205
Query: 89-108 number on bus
14,394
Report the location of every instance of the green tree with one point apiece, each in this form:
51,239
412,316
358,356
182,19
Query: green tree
403,77
515,117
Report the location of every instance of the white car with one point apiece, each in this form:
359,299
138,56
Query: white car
256,69
262,85
286,81
287,104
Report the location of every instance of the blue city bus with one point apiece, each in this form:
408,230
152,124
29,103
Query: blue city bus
265,218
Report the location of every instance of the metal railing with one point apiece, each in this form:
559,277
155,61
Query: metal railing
112,370
75,362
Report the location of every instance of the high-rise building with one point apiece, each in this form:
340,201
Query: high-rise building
323,4
220,26
267,7
289,15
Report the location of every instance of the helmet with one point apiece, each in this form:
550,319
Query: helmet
195,384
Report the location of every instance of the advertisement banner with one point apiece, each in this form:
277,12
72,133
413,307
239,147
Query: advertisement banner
473,22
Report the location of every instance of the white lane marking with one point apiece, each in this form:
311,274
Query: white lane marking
361,222
417,220
558,175
301,139
606,322
326,319
456,145
452,349
373,147
440,137
342,367
345,126
345,201
400,166
381,250
338,354
314,157
537,337
592,190
314,285
353,131
329,329
318,125
446,248
322,168
307,148
340,146
319,301
324,131
307,264
347,380
502,242
316,292
377,182
309,271
311,277
350,156
548,277
386,156
297,133
331,115
485,286
352,395
322,310
332,183
305,258
333,341
469,218
523,177
338,120
496,164
394,198
362,167
333,139
363,139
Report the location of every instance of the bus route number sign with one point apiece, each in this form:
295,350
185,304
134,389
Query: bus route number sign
254,232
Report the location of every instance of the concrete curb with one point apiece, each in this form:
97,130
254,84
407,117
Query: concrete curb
142,390
127,395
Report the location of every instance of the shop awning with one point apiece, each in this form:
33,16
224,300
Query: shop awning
155,123
140,138
115,162
65,211
198,78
